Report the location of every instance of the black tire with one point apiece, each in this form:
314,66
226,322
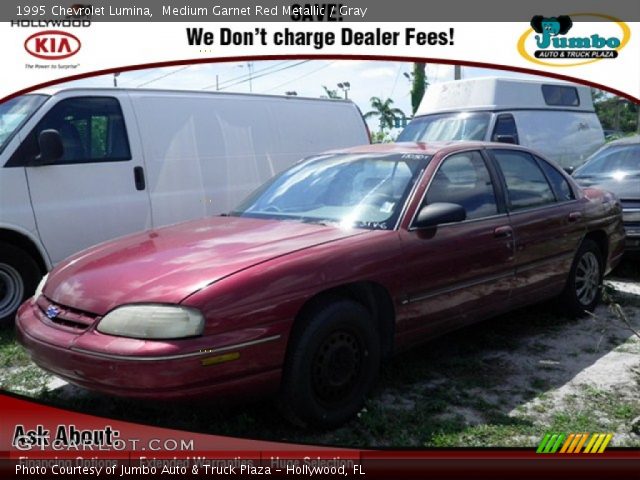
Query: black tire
582,292
19,277
332,363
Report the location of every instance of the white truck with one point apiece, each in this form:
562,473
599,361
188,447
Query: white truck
556,119
81,166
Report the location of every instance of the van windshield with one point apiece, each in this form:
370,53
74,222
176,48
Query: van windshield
14,113
445,127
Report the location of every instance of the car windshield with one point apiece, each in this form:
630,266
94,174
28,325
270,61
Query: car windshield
348,190
14,113
446,127
615,161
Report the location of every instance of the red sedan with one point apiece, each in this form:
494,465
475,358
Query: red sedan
323,273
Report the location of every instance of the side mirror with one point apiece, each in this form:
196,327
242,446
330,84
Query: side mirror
569,170
505,139
439,213
51,148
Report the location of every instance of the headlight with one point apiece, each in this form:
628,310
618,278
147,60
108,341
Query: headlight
152,321
40,286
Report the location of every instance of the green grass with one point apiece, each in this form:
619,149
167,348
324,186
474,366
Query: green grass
11,354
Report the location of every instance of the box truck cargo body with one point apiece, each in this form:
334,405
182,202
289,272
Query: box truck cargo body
556,119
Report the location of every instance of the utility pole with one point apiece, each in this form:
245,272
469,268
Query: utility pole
115,79
217,83
457,72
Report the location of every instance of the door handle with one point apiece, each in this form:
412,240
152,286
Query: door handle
503,232
575,216
138,177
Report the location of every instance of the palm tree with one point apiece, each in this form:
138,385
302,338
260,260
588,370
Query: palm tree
332,94
385,112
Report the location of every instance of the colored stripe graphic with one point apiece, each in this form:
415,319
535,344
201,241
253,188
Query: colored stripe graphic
570,443
582,442
550,443
592,441
543,442
573,443
605,443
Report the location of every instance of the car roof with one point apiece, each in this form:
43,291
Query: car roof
422,148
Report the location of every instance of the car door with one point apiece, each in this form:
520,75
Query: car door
462,271
96,191
546,219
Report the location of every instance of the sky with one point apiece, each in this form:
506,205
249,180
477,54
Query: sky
305,77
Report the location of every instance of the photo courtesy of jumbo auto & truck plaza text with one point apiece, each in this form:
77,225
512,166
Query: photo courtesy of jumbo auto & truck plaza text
359,239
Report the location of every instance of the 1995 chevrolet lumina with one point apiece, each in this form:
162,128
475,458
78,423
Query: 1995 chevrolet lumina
320,275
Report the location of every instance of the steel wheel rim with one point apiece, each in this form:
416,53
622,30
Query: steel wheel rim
11,289
337,366
587,281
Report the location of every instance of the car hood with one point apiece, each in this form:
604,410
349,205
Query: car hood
625,188
168,264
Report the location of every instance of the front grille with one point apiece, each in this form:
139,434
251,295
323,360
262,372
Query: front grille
65,316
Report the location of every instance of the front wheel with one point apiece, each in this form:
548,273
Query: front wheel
332,364
582,291
19,276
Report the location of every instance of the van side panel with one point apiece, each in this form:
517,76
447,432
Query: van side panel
317,127
205,153
16,213
565,136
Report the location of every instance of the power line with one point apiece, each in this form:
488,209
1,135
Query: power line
245,76
300,77
265,74
164,75
395,82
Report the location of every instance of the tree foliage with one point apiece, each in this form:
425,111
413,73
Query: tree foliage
418,85
614,112
333,94
386,113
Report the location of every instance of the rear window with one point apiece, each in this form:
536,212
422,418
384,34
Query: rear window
560,96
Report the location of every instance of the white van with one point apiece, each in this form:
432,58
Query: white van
80,166
556,119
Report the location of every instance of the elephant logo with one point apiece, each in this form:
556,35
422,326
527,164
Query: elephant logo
550,27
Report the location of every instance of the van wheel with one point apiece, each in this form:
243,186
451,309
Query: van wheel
19,276
332,364
582,291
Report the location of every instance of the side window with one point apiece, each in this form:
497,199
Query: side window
463,178
560,185
561,95
505,127
92,130
526,184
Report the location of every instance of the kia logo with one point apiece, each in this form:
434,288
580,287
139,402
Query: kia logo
52,45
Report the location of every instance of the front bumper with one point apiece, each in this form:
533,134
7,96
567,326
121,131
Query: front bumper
152,369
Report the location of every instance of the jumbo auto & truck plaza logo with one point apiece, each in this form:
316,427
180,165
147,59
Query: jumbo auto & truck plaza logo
562,41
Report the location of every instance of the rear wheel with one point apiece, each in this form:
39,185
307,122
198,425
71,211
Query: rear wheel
19,276
582,291
332,364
